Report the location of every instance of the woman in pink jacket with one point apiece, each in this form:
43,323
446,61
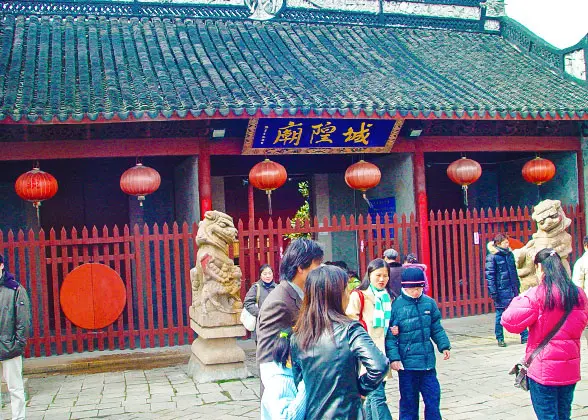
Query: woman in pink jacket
554,372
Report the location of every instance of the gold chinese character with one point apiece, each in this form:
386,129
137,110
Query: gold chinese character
323,131
290,134
360,136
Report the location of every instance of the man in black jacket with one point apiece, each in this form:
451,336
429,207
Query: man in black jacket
503,281
15,322
394,283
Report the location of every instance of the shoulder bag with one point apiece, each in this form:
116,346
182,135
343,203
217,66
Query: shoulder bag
361,305
247,319
520,369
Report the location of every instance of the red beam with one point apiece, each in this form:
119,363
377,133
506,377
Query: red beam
422,207
79,149
581,193
498,144
204,179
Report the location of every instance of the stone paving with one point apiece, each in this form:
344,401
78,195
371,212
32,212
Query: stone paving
474,385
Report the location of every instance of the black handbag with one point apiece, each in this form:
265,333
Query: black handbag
520,369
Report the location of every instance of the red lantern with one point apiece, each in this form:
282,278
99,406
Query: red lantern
140,180
538,171
464,172
268,175
36,186
362,176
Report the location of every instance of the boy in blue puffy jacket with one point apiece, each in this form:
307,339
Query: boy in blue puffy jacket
414,326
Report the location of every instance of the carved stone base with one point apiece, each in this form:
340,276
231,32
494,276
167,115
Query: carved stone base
216,359
213,318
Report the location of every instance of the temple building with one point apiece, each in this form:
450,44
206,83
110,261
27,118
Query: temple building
202,90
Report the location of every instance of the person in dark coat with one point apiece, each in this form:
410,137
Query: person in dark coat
503,281
327,348
265,284
15,327
394,283
280,309
415,324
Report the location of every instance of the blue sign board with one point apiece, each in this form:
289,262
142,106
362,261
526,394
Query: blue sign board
320,135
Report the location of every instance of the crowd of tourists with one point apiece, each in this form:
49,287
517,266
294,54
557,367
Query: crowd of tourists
325,349
327,342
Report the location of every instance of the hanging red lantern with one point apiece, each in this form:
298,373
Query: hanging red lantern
464,172
36,186
363,176
268,175
538,171
140,180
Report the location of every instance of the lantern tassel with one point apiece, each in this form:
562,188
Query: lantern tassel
465,195
37,204
370,205
269,201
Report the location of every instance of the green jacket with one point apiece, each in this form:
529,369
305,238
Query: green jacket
15,317
419,324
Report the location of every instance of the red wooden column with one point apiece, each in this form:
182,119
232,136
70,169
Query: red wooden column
204,178
250,202
421,204
581,192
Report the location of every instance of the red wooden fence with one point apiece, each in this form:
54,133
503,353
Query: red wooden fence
458,247
153,263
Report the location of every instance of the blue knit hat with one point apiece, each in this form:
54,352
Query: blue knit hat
412,277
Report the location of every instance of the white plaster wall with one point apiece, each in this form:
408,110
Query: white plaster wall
186,191
218,193
321,201
397,181
575,64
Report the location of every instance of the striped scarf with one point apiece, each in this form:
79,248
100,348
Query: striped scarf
382,308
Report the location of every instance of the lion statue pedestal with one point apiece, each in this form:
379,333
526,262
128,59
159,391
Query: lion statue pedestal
216,304
551,233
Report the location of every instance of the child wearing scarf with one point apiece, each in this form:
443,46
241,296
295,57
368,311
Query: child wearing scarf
371,304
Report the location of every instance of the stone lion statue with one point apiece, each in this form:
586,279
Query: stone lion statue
216,280
551,233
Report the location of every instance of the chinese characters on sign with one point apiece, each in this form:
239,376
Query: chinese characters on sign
312,135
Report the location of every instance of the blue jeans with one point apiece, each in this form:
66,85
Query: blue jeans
551,402
499,331
376,407
411,382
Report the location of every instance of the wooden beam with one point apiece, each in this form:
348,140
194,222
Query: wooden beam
499,144
79,149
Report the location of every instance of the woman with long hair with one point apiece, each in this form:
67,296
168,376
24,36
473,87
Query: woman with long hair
555,370
371,303
327,347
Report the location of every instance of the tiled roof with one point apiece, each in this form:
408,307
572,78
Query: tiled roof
68,69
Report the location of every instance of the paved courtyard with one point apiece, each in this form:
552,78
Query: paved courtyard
474,385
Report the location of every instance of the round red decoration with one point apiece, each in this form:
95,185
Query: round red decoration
514,243
92,296
268,175
140,180
362,176
36,186
464,172
538,171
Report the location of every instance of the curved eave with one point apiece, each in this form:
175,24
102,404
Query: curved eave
216,113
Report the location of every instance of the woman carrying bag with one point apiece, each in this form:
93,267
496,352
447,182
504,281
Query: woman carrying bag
371,305
558,309
257,294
